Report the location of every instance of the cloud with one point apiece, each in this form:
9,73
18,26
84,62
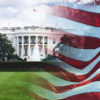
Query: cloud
20,12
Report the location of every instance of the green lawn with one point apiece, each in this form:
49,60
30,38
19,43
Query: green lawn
15,85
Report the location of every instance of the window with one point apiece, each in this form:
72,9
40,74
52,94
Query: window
20,40
54,41
40,40
40,49
46,51
25,51
32,50
33,40
20,49
45,40
26,40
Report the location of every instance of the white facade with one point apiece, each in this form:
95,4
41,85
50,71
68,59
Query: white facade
24,40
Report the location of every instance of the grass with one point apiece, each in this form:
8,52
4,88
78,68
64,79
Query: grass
12,85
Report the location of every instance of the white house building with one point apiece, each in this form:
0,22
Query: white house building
32,43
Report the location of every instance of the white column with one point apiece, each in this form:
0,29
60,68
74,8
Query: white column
22,53
17,45
43,47
47,45
29,47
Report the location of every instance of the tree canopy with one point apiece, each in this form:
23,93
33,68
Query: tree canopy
6,49
61,48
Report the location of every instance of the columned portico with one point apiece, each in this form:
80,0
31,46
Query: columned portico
26,39
26,44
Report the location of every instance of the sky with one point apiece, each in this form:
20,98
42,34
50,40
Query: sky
20,12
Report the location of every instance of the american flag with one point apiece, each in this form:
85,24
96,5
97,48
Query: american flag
78,76
34,10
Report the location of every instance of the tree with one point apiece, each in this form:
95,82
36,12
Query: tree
67,40
61,48
6,49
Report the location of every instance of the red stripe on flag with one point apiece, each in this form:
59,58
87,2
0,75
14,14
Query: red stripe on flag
81,16
70,76
82,42
62,89
85,96
73,62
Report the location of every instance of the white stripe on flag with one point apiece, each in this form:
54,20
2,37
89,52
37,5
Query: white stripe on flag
73,27
79,54
74,70
92,87
89,8
60,82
